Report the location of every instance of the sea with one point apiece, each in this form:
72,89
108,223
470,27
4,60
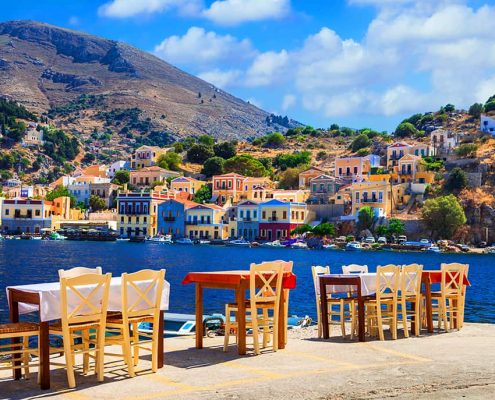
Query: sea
30,261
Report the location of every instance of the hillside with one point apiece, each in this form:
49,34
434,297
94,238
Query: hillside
88,84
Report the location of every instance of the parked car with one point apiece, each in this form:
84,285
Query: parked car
402,239
369,239
382,239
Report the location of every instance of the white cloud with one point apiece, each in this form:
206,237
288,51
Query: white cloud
234,12
131,8
267,68
221,79
198,47
74,21
289,101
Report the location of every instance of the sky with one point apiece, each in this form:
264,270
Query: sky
357,63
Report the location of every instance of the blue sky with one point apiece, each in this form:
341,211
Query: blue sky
359,63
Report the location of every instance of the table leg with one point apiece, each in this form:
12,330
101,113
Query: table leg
429,307
160,341
361,316
199,316
241,319
14,317
44,345
324,309
282,320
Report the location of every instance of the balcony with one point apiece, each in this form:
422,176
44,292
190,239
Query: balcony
271,219
372,200
246,219
192,223
133,212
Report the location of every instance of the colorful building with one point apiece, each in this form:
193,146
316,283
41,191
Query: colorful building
323,187
138,213
106,191
248,220
80,187
146,176
278,218
382,197
206,221
227,187
172,217
443,141
186,184
400,149
355,169
146,156
306,176
26,216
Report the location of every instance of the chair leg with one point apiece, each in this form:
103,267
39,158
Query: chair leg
135,342
342,317
85,346
126,347
404,318
417,314
100,344
69,359
227,328
379,322
266,328
254,322
276,322
25,356
393,327
318,315
157,335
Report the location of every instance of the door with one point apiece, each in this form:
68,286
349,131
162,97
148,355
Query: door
269,235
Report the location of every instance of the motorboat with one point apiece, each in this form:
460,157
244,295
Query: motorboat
186,241
167,239
238,243
120,239
36,238
330,247
56,236
202,241
185,324
274,244
353,246
434,249
299,245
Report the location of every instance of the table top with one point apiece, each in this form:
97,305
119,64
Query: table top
233,277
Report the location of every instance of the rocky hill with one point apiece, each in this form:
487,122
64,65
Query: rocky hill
87,84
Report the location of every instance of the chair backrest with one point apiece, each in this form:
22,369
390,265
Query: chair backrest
84,299
142,293
452,278
265,282
318,270
286,265
410,281
387,282
78,271
354,269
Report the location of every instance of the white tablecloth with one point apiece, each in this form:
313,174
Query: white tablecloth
368,285
50,297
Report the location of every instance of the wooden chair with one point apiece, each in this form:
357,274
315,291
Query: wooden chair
140,303
83,303
287,267
20,352
354,269
387,287
450,297
78,271
466,272
410,292
264,297
341,313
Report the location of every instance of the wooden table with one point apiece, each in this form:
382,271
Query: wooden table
344,280
429,278
238,281
17,296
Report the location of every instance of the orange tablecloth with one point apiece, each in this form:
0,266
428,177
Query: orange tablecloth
232,278
436,277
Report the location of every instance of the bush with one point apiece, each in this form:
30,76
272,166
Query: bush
476,109
467,150
297,158
97,203
275,139
363,152
170,160
366,217
456,181
406,129
360,142
213,166
203,195
225,150
206,140
121,177
443,215
245,165
199,153
289,179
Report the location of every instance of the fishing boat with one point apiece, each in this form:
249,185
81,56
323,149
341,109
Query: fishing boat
238,243
434,249
167,239
186,241
353,246
274,244
299,245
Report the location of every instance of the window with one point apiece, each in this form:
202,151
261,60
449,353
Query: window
230,184
314,187
255,214
284,215
292,214
357,197
241,214
122,219
380,197
264,215
7,211
145,220
37,213
355,170
137,220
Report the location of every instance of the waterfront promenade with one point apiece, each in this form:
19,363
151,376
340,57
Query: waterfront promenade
451,365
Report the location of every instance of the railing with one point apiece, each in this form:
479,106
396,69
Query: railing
247,219
371,200
272,219
169,219
192,222
19,216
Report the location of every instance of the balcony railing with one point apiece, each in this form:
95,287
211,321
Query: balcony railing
372,200
272,219
169,219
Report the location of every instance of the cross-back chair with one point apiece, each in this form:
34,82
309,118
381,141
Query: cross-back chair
410,293
354,269
78,271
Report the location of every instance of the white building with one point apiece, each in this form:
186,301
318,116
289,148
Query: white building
80,187
487,124
443,141
117,166
33,138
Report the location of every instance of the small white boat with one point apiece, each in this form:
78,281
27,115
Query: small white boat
238,243
184,241
299,245
36,238
489,250
274,244
434,249
167,239
353,246
202,241
330,247
123,239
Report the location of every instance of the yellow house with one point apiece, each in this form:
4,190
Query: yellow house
411,170
146,156
26,215
355,169
306,176
291,196
400,149
382,197
146,176
100,171
186,184
206,221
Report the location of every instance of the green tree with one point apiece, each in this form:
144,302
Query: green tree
406,129
203,195
382,230
396,227
449,108
297,158
179,147
366,217
245,165
121,177
61,191
213,166
324,229
442,216
289,179
360,142
468,150
476,109
170,160
225,150
275,139
456,181
302,229
97,203
199,153
207,140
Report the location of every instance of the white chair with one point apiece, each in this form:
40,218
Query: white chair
354,269
78,271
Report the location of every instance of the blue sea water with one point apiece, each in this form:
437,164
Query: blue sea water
23,262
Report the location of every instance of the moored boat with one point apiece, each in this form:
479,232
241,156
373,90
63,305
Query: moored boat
299,245
353,246
274,244
186,241
238,243
167,239
434,249
330,247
